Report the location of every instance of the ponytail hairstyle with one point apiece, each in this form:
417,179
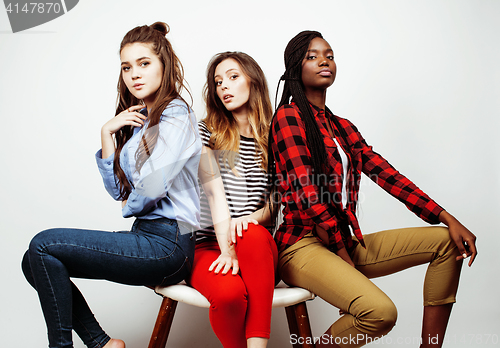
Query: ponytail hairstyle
295,52
221,123
171,87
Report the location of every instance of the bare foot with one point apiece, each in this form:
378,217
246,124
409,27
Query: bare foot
115,343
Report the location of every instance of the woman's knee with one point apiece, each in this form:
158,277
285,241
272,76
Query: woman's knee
25,266
255,235
42,239
441,236
379,319
446,246
388,314
228,296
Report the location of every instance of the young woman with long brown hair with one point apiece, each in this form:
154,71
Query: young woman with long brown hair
235,259
148,161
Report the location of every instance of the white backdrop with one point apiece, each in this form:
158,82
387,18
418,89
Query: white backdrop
418,78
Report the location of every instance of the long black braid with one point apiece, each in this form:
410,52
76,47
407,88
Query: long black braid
293,88
294,55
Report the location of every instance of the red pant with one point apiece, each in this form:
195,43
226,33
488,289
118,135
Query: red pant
240,305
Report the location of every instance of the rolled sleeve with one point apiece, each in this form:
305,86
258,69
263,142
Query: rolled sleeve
110,181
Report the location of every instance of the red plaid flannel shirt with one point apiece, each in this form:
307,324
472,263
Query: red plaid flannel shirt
303,203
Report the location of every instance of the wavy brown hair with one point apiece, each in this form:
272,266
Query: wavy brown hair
221,123
171,87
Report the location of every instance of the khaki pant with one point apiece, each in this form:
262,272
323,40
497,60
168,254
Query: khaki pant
369,312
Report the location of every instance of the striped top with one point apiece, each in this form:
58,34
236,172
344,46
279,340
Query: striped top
245,190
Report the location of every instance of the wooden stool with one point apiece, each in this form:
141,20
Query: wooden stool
293,299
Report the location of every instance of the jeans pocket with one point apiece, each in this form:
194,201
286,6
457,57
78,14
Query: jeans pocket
178,275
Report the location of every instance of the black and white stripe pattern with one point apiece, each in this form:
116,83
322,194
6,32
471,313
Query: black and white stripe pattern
245,192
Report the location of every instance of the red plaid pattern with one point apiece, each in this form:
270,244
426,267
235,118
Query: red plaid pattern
305,203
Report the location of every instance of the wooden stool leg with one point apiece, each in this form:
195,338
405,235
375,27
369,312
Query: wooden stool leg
292,324
298,323
163,323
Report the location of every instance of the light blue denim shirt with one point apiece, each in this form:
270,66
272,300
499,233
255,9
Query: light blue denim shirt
167,184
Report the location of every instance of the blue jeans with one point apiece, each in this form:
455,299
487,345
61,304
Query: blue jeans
154,252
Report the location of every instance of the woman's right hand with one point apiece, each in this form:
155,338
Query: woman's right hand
128,117
238,225
225,262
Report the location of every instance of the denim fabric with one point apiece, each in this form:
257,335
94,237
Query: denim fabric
154,252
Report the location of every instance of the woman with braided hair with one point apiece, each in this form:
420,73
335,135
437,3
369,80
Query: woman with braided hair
315,162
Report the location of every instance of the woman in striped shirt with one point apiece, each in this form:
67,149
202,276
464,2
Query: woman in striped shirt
233,209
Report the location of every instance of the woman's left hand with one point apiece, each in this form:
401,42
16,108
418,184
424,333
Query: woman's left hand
239,225
463,238
226,260
124,203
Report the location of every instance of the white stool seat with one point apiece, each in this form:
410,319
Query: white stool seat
293,299
284,296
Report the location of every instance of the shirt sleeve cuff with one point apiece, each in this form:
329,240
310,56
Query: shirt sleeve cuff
105,163
126,212
435,210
